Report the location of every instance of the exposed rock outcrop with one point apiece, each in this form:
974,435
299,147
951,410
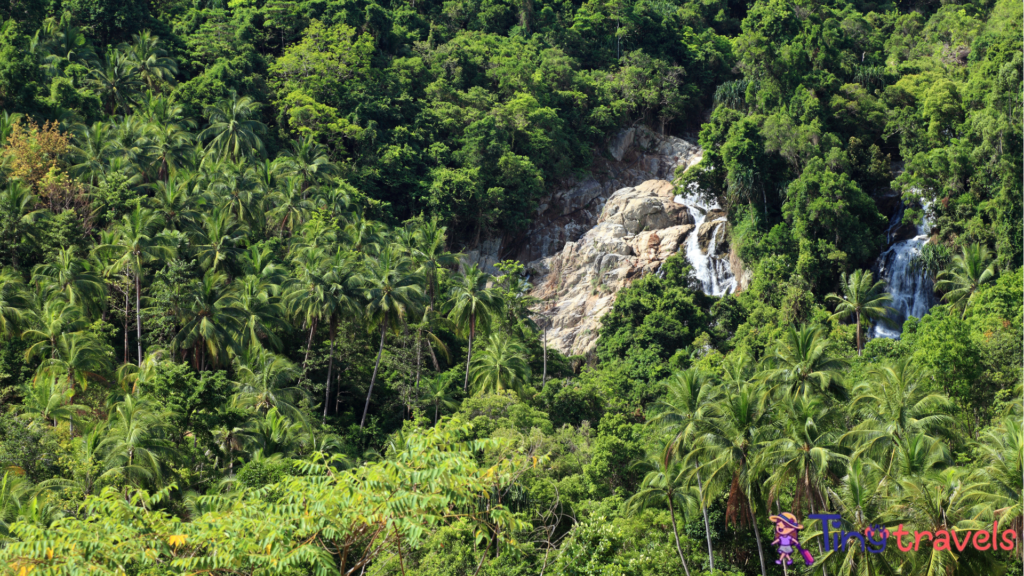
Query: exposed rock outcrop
637,230
637,155
596,235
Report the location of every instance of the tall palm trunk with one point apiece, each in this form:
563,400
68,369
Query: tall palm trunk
469,351
383,330
433,357
309,344
419,355
675,532
707,526
757,536
820,552
330,367
138,313
127,308
860,347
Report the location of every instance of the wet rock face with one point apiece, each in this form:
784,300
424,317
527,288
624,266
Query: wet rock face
637,230
712,229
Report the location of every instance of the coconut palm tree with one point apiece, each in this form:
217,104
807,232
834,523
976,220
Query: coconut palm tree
801,363
864,299
863,502
806,453
291,209
308,162
49,398
502,365
234,190
136,245
160,109
363,235
71,278
90,149
174,201
153,64
63,44
945,500
307,292
392,295
117,79
264,314
132,147
275,435
1002,476
426,331
229,440
15,492
217,242
77,358
342,300
729,449
18,204
473,305
55,318
265,381
436,394
682,414
134,446
969,271
212,322
430,253
895,406
665,483
170,146
15,307
232,133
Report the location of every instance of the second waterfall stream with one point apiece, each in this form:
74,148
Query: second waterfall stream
712,270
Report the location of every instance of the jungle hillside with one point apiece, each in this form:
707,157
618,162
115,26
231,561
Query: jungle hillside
240,333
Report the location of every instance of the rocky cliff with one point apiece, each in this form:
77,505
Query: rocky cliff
635,155
593,237
638,228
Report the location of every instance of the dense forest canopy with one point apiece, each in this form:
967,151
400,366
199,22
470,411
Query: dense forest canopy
238,334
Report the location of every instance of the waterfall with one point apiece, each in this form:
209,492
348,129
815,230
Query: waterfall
912,291
711,270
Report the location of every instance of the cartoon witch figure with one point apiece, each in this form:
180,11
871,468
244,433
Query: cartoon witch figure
787,528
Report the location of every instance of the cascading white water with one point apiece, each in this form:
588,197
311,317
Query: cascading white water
713,272
912,290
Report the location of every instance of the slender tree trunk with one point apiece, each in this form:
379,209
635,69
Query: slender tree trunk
707,526
436,406
330,369
675,532
824,572
469,351
138,313
127,307
419,355
757,536
309,344
383,330
859,345
433,358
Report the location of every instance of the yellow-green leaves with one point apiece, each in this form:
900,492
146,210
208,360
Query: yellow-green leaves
323,520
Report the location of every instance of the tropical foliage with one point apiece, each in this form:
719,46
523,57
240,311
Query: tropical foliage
247,325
